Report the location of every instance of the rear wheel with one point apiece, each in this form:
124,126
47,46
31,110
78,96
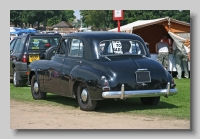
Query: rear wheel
84,99
35,89
16,79
150,100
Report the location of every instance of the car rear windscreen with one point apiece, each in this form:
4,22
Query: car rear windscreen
43,42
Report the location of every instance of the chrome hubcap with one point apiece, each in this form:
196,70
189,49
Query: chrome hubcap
84,95
35,87
14,77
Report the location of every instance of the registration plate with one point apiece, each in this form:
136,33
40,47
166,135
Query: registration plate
143,76
33,58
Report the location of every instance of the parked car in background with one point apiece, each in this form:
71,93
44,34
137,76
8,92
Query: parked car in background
25,49
84,30
48,32
93,66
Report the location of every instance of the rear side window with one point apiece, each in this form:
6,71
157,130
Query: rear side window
21,46
42,42
12,44
17,44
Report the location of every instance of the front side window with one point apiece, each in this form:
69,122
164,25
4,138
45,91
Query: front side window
76,48
62,47
43,42
116,47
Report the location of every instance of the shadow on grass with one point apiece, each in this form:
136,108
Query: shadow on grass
62,100
110,105
131,104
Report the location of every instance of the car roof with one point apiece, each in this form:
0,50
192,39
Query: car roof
39,34
103,35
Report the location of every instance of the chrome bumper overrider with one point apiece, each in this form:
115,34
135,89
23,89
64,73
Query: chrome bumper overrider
140,93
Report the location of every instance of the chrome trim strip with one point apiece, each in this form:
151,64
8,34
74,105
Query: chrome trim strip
142,69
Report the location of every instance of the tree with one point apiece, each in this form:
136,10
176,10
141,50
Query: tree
16,17
29,18
97,18
61,15
67,15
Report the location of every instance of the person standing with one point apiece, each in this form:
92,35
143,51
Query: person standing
181,59
166,39
162,49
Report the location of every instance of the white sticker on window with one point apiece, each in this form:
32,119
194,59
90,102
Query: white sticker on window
117,47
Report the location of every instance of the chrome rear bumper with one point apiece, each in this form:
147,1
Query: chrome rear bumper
140,93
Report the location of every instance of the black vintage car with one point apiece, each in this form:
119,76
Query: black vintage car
92,66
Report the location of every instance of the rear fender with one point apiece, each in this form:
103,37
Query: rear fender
170,79
91,77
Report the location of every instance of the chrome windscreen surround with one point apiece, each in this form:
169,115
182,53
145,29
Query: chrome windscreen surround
122,94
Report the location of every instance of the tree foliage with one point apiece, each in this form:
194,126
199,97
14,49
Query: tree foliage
103,18
94,18
46,17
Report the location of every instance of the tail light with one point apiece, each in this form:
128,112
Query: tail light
105,84
24,58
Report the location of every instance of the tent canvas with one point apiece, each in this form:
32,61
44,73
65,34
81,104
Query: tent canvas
152,30
131,26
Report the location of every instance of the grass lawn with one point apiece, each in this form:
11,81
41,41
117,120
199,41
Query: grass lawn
177,106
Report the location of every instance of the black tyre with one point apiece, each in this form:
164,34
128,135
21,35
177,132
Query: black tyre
17,81
50,52
35,89
84,99
150,100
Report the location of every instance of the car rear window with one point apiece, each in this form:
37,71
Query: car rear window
43,42
114,47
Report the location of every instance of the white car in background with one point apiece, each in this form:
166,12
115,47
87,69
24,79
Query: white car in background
84,30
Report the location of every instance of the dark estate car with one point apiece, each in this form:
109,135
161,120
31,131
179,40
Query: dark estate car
27,48
93,66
